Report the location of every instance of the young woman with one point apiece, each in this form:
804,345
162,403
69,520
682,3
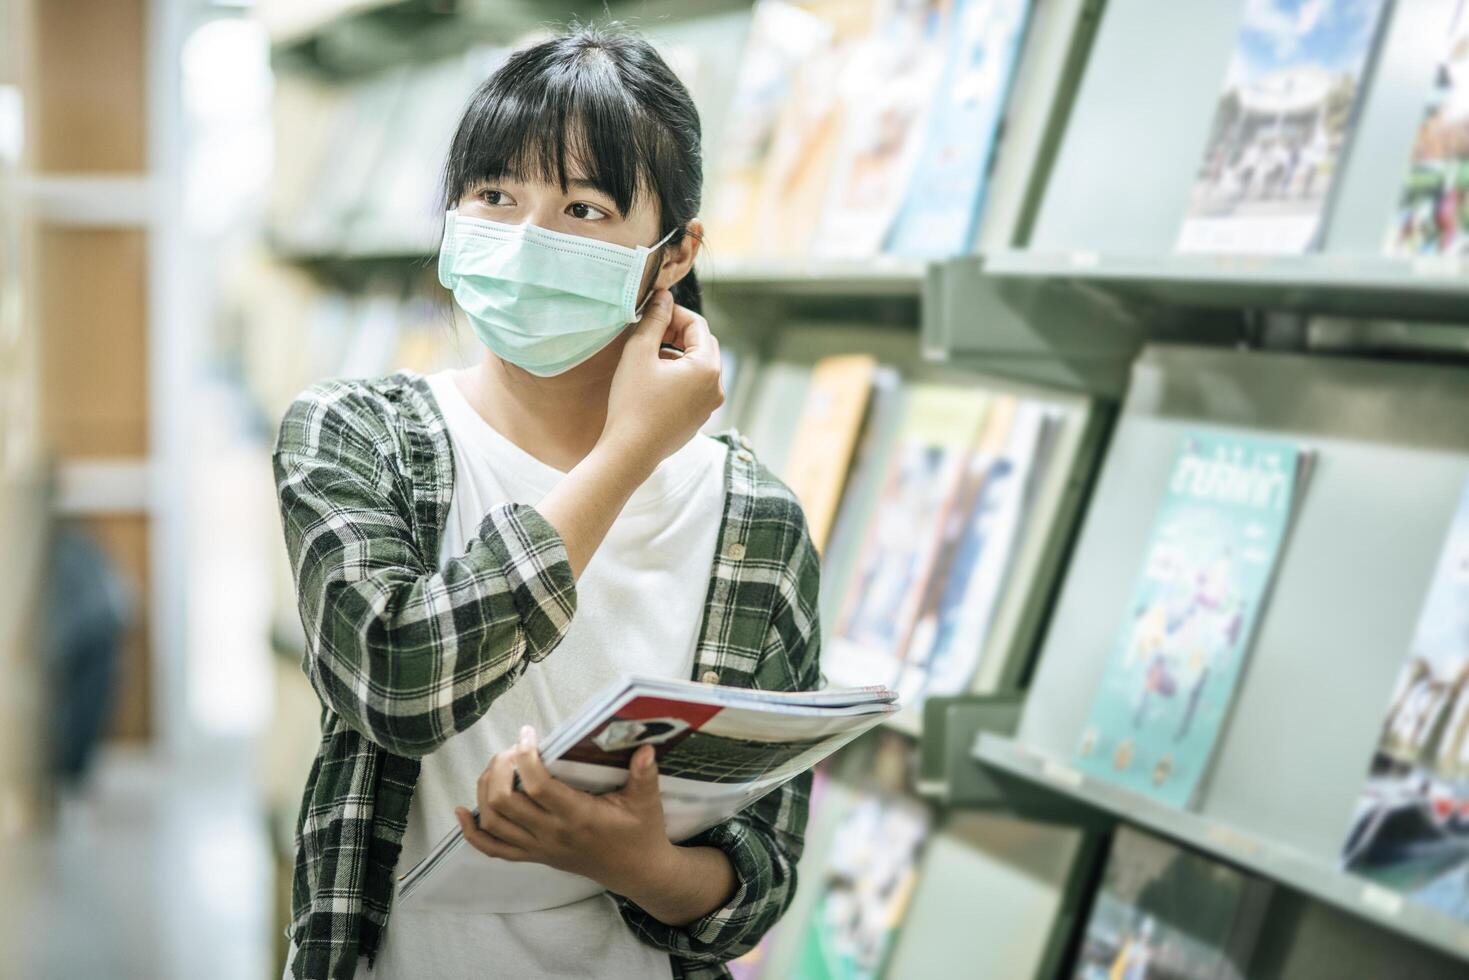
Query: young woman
477,552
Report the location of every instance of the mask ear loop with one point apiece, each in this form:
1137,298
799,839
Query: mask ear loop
638,311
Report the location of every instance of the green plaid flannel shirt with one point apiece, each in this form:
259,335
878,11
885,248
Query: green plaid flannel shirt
403,654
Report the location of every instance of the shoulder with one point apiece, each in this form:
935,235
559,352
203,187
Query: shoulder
776,522
367,412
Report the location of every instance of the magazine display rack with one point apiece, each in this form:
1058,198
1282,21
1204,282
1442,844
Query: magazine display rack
1114,201
1390,461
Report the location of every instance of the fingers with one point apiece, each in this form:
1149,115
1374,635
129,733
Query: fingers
654,322
507,829
543,788
496,784
687,329
487,843
642,773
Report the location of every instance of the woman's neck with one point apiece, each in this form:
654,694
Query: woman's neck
558,419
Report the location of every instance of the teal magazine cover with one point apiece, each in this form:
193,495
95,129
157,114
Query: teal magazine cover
1410,830
1168,686
946,195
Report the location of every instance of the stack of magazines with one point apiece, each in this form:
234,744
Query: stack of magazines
719,750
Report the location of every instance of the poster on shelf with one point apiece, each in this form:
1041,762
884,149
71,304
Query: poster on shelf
1162,911
1171,676
939,428
946,194
1432,217
1281,126
1410,829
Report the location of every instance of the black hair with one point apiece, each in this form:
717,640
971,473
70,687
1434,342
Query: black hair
595,97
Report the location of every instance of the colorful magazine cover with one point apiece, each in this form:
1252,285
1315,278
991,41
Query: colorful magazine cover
1433,211
826,434
1281,126
886,89
869,879
1172,674
897,555
946,195
782,37
803,151
1411,826
979,537
1162,911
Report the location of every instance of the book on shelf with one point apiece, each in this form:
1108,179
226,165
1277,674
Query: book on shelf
782,36
826,435
886,86
719,750
1410,828
945,197
764,961
939,426
864,890
1169,681
978,541
940,505
1281,126
886,403
775,398
1165,911
1430,218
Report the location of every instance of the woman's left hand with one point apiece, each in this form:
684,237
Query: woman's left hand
616,839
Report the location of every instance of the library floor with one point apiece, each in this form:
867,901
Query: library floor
159,872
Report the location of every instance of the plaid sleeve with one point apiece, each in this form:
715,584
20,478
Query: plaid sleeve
407,653
764,841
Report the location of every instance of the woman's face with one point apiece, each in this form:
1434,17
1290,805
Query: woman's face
581,209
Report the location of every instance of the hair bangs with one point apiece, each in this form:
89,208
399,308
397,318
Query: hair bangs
560,122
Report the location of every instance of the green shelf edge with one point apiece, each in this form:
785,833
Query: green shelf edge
1354,286
1011,759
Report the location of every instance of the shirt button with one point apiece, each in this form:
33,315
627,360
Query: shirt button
744,455
735,552
745,441
710,677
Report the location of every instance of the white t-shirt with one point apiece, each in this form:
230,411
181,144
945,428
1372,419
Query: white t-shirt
639,607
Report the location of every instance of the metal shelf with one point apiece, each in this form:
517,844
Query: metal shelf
1016,763
1356,286
103,486
91,200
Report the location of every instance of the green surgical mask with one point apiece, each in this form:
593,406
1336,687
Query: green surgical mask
542,300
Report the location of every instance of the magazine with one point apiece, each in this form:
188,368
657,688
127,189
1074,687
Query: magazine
1162,911
1411,826
946,195
719,750
869,878
969,576
938,429
1281,126
885,91
1171,678
782,37
1430,218
826,436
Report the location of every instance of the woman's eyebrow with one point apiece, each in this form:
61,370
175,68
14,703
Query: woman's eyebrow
586,184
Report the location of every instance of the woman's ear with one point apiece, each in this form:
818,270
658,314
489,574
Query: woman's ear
678,260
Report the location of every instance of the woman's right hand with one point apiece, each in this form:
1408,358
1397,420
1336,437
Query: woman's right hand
656,404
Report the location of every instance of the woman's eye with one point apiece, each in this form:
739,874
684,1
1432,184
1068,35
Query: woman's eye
586,212
495,198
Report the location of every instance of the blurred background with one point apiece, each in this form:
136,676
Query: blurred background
990,276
